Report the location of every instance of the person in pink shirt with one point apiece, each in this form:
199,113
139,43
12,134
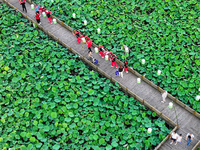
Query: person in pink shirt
48,13
23,2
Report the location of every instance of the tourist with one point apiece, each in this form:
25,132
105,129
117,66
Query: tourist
189,137
37,16
37,7
174,137
42,9
179,139
101,50
164,95
113,62
78,36
121,71
48,13
125,66
23,2
89,44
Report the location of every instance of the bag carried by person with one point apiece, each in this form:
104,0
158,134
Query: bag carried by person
117,72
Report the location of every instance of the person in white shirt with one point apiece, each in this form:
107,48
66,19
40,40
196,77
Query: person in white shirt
179,139
190,137
174,137
164,95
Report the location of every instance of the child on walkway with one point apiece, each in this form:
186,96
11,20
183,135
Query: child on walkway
179,139
78,36
42,9
164,95
190,137
114,61
125,66
101,50
121,71
48,13
174,137
37,7
89,44
23,2
37,16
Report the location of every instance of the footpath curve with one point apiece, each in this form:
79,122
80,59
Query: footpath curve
145,92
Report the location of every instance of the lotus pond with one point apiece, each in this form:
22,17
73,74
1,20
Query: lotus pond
164,33
49,99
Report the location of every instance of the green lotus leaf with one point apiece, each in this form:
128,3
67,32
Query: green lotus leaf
101,141
54,115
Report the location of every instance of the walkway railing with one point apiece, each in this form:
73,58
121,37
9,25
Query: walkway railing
126,90
175,100
196,146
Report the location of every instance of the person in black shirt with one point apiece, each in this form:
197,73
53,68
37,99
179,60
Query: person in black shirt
48,13
101,51
114,61
121,71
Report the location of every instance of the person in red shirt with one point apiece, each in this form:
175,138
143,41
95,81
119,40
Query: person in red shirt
78,36
23,2
37,16
89,44
114,61
48,13
125,66
42,9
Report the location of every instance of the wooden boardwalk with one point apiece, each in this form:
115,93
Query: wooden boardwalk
187,122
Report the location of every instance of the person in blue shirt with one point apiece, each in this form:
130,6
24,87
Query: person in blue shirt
37,7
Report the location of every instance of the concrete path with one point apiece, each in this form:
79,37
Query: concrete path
187,122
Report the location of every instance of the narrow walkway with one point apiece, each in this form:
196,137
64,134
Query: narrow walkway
187,122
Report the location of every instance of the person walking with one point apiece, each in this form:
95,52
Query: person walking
48,13
37,16
23,2
114,61
189,137
101,51
37,7
89,44
173,137
125,66
179,139
121,71
164,95
78,36
42,9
